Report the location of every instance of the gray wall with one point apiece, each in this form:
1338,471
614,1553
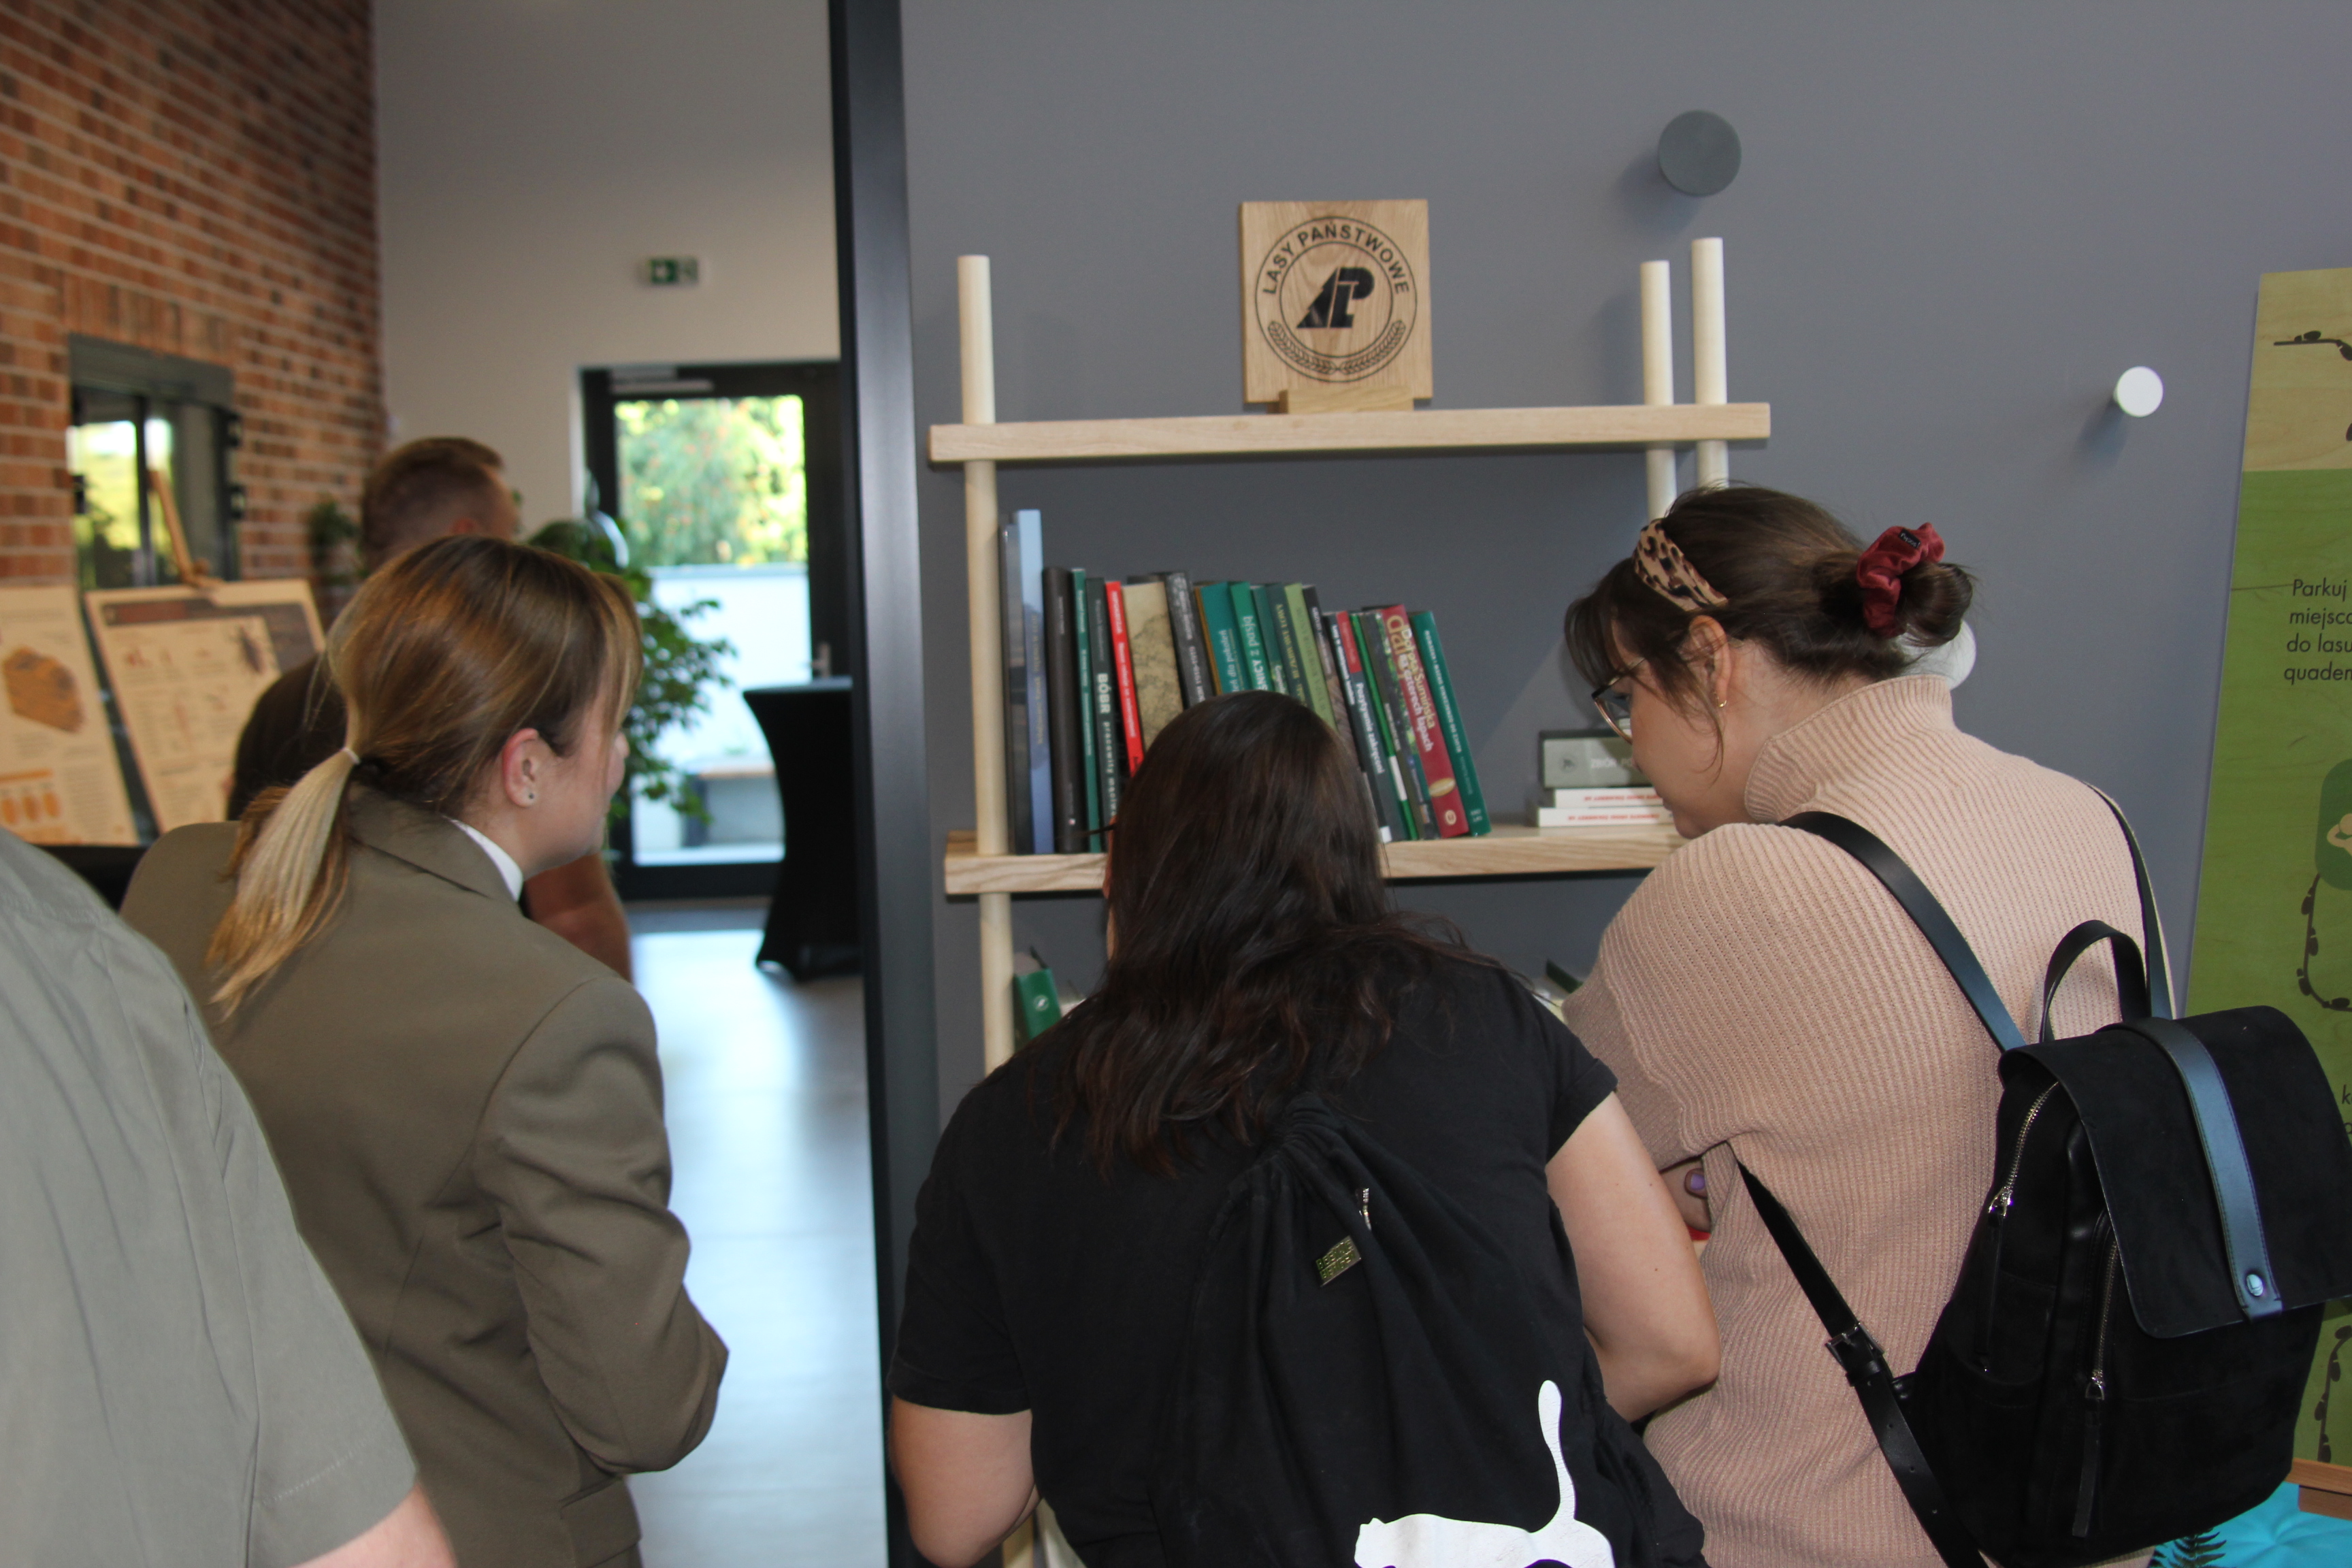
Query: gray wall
1957,223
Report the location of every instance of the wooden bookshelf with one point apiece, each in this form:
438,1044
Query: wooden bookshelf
978,864
1432,430
1509,851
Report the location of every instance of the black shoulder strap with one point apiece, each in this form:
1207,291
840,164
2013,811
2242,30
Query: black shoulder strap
1874,1382
2225,1157
1928,914
2217,1123
2159,968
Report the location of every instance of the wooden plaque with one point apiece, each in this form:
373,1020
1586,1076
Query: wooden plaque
1334,304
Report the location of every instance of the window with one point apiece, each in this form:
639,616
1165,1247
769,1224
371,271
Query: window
136,414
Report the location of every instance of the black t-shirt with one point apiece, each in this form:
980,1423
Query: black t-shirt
1036,1283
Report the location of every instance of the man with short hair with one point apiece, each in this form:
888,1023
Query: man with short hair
419,492
182,1387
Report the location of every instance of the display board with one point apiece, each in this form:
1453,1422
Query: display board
187,666
1334,304
60,780
2274,902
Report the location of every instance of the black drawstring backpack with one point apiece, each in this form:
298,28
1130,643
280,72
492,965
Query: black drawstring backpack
1369,1378
2122,1360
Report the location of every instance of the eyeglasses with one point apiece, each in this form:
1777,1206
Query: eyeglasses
1616,705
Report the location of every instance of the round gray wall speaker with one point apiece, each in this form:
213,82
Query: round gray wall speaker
1699,153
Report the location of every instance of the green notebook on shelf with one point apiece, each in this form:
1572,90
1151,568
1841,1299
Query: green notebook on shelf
1254,661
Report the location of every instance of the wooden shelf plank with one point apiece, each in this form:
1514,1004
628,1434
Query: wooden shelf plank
1422,430
1509,851
2322,1489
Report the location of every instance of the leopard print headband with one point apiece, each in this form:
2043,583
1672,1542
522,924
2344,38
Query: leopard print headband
1663,568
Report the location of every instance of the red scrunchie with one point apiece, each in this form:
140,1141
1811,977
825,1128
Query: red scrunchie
1880,572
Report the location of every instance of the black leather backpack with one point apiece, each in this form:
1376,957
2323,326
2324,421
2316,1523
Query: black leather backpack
2122,1360
1371,1378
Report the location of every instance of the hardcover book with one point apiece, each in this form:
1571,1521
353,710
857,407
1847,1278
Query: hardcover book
1122,659
1394,728
1265,596
1333,691
1021,827
1254,673
1110,748
1300,650
1371,732
1225,637
1192,649
1449,719
1062,697
1082,647
1031,528
1151,644
1421,718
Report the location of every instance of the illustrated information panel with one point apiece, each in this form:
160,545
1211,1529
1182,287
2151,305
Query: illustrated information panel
60,782
2275,903
187,664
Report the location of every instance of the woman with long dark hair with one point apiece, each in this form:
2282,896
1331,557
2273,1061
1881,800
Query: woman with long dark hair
1255,957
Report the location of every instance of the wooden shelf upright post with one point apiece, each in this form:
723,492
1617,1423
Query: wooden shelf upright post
1658,373
976,315
1710,370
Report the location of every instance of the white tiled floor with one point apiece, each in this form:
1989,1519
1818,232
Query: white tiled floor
766,1086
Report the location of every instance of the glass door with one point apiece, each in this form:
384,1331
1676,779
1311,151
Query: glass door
722,479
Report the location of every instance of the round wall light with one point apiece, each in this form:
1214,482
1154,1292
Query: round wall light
1699,153
2139,392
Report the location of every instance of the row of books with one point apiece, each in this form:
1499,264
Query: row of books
1095,668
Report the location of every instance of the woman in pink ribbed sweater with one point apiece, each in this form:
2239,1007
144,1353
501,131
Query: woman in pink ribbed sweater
1763,997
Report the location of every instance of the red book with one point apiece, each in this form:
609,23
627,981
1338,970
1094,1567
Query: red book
1421,718
1123,661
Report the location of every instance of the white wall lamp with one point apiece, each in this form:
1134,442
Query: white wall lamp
2139,392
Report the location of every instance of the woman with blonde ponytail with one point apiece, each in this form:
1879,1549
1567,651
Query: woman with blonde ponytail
467,1108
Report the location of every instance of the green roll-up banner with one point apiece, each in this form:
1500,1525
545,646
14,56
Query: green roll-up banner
2274,902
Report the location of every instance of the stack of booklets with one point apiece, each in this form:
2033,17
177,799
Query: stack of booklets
1095,667
1619,807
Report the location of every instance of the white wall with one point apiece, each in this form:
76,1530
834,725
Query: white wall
532,153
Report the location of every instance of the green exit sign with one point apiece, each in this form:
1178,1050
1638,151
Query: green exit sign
673,271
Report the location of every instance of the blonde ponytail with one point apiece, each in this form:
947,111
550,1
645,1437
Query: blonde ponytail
440,657
290,864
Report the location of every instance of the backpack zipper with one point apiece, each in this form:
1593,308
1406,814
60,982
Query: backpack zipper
1996,1209
2094,1397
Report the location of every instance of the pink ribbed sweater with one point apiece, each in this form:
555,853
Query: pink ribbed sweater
1762,995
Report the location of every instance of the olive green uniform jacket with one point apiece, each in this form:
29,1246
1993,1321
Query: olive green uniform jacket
467,1113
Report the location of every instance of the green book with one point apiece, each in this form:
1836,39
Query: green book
1277,671
1224,635
1287,639
1449,720
1083,647
1302,654
1034,1003
1254,663
1380,681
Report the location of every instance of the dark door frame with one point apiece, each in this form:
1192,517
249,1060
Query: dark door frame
817,384
896,860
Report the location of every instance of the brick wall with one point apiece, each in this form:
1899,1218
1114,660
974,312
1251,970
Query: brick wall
196,177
